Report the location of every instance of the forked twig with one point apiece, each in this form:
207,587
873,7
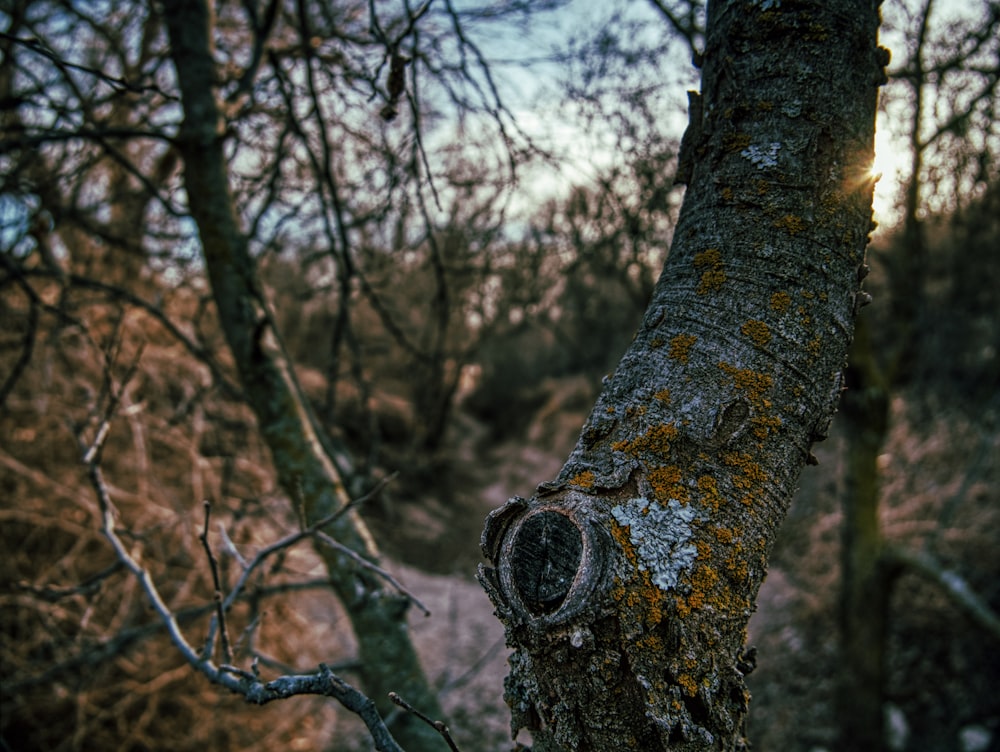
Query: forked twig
233,678
438,726
316,530
220,611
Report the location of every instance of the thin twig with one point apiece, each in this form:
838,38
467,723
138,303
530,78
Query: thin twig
88,586
99,652
230,547
117,83
474,669
293,538
360,560
438,726
203,354
220,611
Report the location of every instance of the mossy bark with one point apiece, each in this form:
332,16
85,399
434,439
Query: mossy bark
685,468
305,471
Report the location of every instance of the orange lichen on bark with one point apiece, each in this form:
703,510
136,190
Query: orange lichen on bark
583,480
751,474
712,274
815,345
635,411
724,535
650,642
752,383
709,494
709,591
663,396
736,564
702,582
757,331
735,141
791,224
621,535
780,302
666,483
641,598
764,425
688,683
680,347
656,441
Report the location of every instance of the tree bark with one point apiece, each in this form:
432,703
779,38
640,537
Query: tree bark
626,585
305,471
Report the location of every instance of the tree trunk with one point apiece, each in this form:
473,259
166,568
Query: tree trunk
305,471
626,585
865,575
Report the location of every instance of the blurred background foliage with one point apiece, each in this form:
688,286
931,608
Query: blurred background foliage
452,285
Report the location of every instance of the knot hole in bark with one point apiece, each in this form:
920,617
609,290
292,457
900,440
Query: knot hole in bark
546,554
550,558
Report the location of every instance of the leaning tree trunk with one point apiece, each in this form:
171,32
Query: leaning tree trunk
626,585
305,471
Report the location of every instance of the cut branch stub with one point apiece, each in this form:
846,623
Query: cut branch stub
548,559
545,556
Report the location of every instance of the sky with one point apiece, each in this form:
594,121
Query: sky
586,148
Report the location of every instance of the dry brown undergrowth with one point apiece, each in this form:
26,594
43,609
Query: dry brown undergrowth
84,668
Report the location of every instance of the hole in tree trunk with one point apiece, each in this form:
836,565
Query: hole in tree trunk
544,559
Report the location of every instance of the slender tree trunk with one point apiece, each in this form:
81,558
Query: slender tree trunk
305,471
626,585
865,575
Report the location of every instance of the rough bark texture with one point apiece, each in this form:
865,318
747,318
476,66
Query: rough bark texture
631,633
305,471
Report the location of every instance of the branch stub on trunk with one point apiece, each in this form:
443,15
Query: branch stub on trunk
548,559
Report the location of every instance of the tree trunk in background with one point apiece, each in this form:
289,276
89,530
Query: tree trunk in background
305,471
865,576
626,585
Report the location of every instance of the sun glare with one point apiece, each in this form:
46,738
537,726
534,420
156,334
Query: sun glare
890,167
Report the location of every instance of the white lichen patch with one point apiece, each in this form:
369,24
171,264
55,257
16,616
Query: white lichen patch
661,536
762,156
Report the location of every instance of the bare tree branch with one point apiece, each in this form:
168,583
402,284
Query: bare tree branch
438,726
952,584
237,680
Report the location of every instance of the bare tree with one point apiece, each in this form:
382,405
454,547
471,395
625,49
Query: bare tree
254,124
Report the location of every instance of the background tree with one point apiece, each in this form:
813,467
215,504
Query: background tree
891,351
225,120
